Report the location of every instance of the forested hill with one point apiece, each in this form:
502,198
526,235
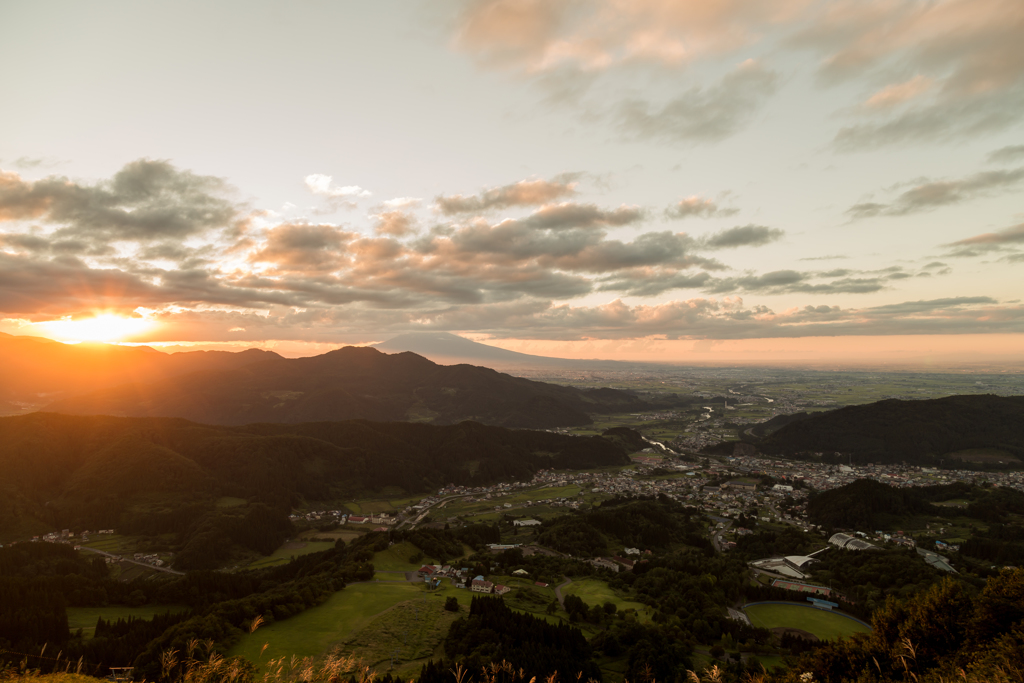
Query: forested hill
919,432
157,475
35,366
355,383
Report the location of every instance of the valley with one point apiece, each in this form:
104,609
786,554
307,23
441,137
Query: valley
654,527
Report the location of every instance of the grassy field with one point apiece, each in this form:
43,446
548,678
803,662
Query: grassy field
110,543
596,592
289,550
825,625
396,558
484,510
345,533
409,631
85,617
314,631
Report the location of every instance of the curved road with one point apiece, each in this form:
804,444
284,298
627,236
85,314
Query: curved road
558,592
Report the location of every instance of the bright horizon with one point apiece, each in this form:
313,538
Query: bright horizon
819,181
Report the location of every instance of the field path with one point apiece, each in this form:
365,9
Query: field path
558,591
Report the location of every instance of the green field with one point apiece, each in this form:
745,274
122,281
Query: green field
85,617
370,621
825,625
396,558
346,534
484,510
289,550
406,633
596,592
314,631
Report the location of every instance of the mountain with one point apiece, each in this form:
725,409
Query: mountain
982,428
35,368
355,383
451,349
159,475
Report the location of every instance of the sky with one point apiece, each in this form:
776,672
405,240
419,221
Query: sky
651,179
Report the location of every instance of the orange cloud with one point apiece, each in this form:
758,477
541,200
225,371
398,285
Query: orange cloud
898,93
540,35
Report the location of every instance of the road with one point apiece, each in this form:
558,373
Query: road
558,592
716,538
141,564
423,513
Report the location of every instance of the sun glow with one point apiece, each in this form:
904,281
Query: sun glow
106,327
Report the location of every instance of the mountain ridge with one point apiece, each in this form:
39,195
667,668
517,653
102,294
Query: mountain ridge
354,383
929,431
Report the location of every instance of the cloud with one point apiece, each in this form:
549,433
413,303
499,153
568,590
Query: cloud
212,266
320,184
29,163
1012,235
698,207
1007,154
927,71
395,223
145,200
958,63
574,49
402,202
947,120
742,236
699,114
536,36
792,282
305,247
572,215
730,318
931,195
988,242
898,93
830,257
523,193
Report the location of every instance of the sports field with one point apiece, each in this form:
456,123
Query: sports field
825,625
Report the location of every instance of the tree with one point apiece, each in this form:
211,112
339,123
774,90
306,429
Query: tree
451,604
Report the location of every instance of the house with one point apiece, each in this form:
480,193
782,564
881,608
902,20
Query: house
501,590
480,586
520,572
426,570
605,563
526,522
357,519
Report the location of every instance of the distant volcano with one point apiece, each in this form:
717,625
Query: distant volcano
450,349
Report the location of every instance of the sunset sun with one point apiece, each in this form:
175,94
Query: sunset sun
106,327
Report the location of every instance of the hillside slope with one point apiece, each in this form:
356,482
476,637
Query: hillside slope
921,432
355,383
157,475
34,367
